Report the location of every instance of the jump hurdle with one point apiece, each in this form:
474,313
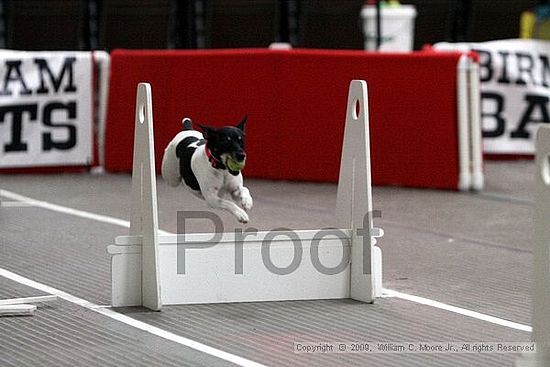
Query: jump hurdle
325,264
541,257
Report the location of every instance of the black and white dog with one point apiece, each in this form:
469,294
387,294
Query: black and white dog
209,164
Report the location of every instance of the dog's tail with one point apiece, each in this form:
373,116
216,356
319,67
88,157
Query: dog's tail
187,123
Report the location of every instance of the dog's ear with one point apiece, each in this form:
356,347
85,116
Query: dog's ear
207,131
242,124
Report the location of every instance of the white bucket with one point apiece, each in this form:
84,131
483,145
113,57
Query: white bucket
397,27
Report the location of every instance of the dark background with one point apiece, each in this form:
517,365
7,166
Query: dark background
109,24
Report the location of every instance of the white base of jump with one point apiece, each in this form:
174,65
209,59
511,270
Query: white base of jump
153,270
210,271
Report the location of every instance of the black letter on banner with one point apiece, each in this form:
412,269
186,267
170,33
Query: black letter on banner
545,69
14,66
534,101
314,251
47,142
266,252
503,79
56,82
485,65
182,244
16,145
497,115
524,69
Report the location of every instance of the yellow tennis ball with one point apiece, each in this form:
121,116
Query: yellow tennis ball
234,165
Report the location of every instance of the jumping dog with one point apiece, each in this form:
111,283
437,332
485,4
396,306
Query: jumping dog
210,164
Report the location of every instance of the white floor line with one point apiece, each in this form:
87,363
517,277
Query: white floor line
458,310
66,210
131,321
387,292
15,204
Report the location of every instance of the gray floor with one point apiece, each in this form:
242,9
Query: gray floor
463,249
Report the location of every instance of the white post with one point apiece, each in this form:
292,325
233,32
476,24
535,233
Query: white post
541,256
144,216
103,60
475,126
463,105
354,200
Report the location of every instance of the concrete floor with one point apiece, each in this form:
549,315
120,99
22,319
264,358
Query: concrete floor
462,249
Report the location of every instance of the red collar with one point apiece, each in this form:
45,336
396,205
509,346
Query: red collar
215,162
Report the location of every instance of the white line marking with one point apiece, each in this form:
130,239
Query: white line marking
130,321
66,210
387,292
458,310
15,204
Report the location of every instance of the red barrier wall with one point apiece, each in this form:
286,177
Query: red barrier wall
296,101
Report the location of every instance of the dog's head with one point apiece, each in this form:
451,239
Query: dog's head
227,144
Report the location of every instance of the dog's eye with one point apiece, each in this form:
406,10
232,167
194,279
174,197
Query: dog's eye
228,138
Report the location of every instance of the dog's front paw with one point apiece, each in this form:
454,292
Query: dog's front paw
242,217
246,202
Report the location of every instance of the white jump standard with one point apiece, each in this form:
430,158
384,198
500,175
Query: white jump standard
323,264
541,257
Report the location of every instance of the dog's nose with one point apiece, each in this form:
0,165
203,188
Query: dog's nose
240,156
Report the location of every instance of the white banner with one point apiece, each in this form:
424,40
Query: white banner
45,108
515,90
